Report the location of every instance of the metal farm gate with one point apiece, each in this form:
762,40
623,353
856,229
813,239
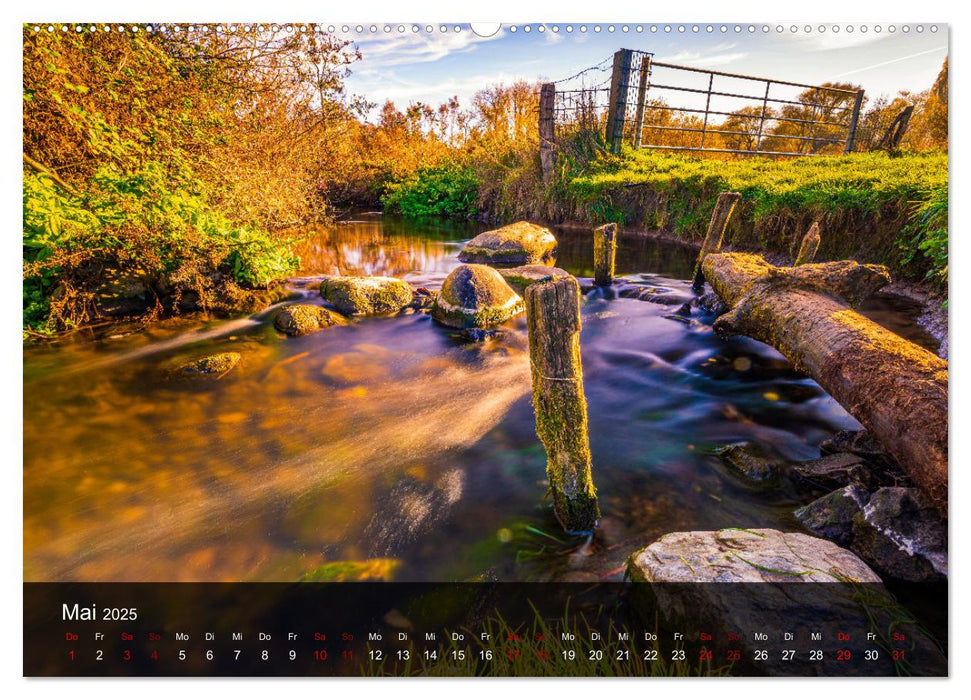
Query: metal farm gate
655,105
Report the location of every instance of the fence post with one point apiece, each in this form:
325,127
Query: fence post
553,324
604,253
617,109
724,206
898,127
547,98
854,118
641,100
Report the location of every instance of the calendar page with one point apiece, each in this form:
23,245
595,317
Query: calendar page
447,349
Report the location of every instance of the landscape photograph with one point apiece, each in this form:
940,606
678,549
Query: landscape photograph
543,303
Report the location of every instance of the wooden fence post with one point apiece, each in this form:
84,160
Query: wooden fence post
553,321
854,120
641,100
809,246
716,231
617,108
547,100
895,132
604,252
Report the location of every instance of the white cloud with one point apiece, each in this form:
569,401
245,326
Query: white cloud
834,40
387,50
695,58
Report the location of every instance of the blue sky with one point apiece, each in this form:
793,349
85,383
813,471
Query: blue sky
431,66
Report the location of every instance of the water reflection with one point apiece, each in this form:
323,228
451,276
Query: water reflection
390,438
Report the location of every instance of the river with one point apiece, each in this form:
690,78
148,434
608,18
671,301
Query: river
391,439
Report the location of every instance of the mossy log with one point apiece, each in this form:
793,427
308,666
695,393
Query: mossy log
553,318
604,253
809,246
895,388
724,207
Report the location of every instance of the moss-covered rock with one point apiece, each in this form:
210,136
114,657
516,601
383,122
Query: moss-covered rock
211,365
476,296
366,295
300,319
521,277
518,243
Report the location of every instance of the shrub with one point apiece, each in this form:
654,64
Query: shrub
445,191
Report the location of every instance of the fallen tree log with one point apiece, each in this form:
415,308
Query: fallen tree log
895,388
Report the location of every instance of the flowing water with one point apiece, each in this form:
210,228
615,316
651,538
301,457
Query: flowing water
392,440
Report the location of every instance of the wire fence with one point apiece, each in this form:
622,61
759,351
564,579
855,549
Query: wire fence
632,99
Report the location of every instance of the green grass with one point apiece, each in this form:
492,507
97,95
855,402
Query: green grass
872,207
537,651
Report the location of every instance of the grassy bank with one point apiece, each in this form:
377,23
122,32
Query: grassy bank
872,207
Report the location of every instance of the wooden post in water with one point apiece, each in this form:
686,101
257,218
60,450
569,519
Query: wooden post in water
547,99
604,252
716,231
809,246
553,319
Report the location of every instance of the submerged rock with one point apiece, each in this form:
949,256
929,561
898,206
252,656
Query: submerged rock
521,277
712,303
861,444
832,472
479,335
751,460
342,571
212,365
476,296
893,529
366,295
300,319
519,243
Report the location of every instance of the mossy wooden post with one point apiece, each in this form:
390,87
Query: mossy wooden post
604,252
716,231
553,318
809,246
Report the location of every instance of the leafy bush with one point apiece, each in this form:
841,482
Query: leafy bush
446,191
156,226
928,235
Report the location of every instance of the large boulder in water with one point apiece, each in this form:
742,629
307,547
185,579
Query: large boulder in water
518,243
366,295
525,275
746,556
300,319
476,296
805,585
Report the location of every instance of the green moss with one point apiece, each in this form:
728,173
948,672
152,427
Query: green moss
340,571
366,295
212,365
300,319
